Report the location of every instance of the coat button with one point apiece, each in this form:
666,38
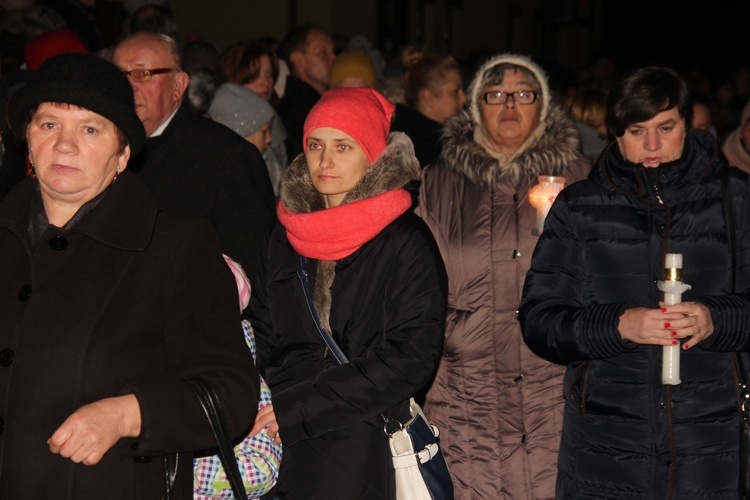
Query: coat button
142,460
58,243
517,254
24,293
6,357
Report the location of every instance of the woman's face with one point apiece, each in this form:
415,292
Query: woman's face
336,163
447,102
75,152
261,138
263,83
509,125
655,141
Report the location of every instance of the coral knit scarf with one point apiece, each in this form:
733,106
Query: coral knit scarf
337,232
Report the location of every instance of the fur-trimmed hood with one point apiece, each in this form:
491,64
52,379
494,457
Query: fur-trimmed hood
394,168
547,154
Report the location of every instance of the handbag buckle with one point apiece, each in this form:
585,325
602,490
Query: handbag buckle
391,426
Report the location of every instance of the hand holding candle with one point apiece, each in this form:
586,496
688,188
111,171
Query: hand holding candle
542,196
673,288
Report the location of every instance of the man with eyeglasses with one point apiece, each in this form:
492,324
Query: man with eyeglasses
190,162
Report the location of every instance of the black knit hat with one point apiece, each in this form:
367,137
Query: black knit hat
83,80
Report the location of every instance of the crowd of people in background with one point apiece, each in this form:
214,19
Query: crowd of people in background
427,87
235,134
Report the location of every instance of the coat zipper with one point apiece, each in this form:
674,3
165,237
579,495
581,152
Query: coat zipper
655,185
658,198
652,176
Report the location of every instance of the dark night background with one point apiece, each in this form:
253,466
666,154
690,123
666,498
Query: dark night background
709,36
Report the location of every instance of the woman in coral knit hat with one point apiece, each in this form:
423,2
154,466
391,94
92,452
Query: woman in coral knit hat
378,286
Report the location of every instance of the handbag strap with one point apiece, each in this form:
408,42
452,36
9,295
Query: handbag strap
171,462
327,337
391,425
211,405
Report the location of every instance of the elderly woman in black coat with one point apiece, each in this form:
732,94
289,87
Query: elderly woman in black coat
379,287
107,303
591,301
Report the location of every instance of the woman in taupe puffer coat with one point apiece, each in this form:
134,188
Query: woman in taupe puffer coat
499,404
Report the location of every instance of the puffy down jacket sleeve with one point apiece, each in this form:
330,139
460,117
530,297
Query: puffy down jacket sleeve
559,319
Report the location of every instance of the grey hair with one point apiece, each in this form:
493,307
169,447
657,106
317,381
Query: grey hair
165,40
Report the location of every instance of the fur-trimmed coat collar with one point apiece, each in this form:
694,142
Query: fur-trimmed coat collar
394,168
549,154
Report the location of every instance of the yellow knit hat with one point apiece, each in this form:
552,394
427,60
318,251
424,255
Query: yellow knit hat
355,64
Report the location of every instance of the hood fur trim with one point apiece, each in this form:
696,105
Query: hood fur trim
548,154
394,168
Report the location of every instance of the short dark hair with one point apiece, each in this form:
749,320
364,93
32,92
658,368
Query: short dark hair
153,18
645,93
296,40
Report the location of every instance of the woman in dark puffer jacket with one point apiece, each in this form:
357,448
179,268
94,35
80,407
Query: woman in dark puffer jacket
591,302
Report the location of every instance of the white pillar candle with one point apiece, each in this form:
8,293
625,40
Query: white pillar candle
673,261
673,290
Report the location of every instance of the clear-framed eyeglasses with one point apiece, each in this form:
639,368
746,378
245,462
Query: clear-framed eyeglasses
498,97
142,75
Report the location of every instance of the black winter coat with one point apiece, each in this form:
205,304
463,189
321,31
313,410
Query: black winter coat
130,300
625,435
387,313
423,132
299,98
203,168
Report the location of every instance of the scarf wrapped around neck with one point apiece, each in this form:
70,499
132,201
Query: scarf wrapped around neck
378,199
338,232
